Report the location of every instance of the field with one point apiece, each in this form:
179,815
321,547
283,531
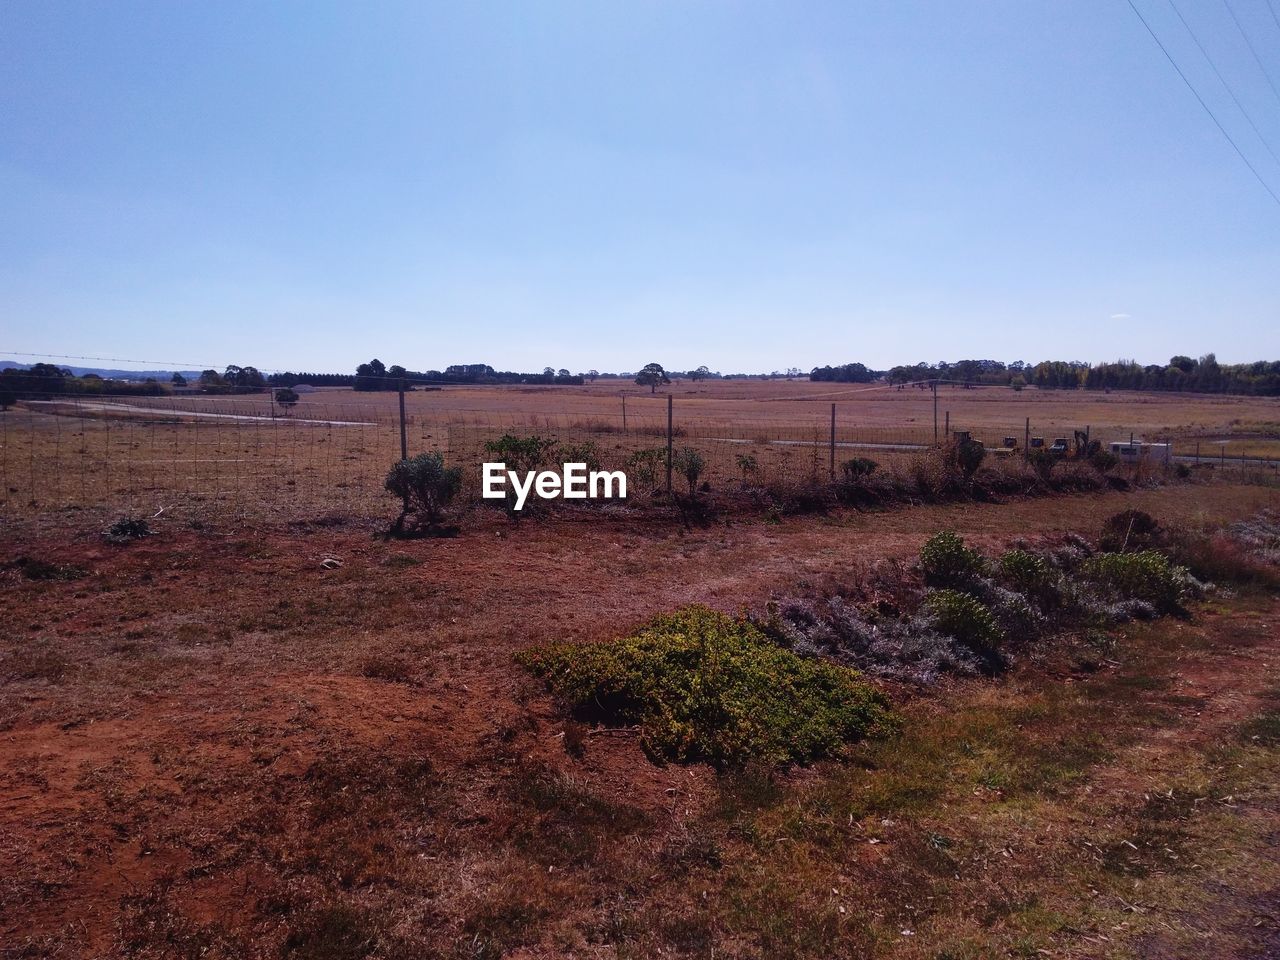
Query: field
214,743
243,458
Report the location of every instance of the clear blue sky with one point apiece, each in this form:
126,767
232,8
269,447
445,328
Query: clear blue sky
746,185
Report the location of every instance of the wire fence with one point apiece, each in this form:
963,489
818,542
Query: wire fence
249,459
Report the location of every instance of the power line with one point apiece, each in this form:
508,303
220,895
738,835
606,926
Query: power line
1249,43
1200,99
1274,15
1223,80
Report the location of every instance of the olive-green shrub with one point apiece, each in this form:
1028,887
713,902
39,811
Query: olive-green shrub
703,686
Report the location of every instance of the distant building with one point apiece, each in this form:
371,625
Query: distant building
1160,452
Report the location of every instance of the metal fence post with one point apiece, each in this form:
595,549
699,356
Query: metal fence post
669,444
404,438
833,441
1026,440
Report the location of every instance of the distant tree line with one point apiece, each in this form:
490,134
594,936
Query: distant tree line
1181,373
848,373
47,381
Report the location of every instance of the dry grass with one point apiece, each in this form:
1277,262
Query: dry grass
83,464
213,746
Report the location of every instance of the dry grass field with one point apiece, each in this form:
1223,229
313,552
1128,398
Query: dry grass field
237,458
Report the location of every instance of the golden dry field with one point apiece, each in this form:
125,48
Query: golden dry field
242,456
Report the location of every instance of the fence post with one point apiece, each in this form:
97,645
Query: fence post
1197,452
833,441
1026,440
624,413
404,438
669,443
946,431
934,384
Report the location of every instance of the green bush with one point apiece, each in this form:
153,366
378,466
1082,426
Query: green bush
522,454
425,486
967,455
1130,530
967,619
858,468
644,466
1147,576
587,452
947,562
704,686
1027,572
689,463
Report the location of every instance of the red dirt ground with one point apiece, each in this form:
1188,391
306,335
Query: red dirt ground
170,718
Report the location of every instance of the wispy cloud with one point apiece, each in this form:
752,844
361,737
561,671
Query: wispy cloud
1120,316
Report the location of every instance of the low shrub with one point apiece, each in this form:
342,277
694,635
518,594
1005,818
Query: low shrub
967,456
126,529
858,468
947,562
968,620
425,486
1221,558
1130,530
703,686
645,466
1147,576
907,649
689,463
1025,571
587,452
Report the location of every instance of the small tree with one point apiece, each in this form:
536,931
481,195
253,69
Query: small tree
689,463
645,465
652,376
286,397
426,487
968,456
178,380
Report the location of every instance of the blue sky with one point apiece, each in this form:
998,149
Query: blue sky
746,185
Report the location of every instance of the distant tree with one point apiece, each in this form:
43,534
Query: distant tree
178,380
701,373
592,374
7,398
286,397
371,376
652,376
563,372
548,371
211,378
1185,364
